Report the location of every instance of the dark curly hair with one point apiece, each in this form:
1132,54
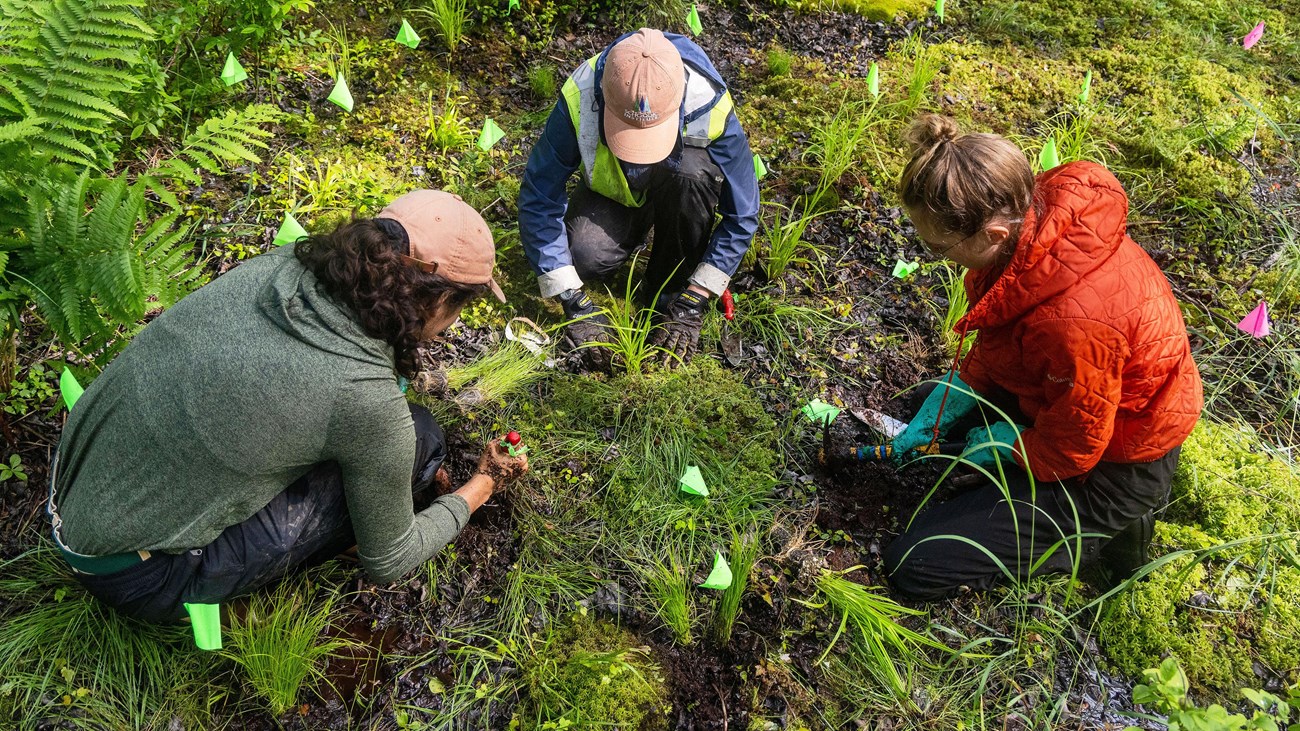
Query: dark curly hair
360,265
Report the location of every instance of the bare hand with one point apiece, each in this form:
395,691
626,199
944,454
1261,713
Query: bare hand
497,464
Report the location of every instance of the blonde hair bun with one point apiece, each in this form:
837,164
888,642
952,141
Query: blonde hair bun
930,130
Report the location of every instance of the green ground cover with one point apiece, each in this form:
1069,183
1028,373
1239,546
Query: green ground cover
575,603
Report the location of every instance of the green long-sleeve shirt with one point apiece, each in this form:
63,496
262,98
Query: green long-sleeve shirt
223,401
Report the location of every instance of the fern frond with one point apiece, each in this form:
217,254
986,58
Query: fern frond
81,261
218,142
20,129
69,62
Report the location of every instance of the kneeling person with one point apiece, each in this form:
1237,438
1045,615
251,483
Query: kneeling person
650,124
259,423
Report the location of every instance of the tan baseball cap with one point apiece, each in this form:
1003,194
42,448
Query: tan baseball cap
447,237
643,85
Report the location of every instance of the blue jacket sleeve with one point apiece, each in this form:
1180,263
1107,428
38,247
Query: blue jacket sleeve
542,194
738,205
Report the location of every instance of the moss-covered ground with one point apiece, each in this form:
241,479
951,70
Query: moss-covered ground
573,601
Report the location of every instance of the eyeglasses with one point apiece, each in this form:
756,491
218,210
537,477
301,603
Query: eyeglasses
943,251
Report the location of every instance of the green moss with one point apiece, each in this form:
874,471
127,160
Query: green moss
1219,615
592,674
874,9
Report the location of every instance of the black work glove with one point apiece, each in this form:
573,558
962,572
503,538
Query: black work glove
589,328
679,333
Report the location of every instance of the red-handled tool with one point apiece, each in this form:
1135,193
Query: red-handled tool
514,444
732,348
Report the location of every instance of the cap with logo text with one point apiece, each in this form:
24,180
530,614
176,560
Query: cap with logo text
643,85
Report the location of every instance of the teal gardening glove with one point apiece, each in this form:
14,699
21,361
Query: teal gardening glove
920,430
987,445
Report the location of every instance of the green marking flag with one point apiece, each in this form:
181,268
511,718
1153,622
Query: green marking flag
938,9
290,231
760,170
70,388
720,576
873,79
904,269
511,7
819,412
341,95
693,21
490,135
693,482
206,621
1048,159
407,36
233,72
1086,90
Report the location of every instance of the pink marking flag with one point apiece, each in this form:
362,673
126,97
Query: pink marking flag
1256,323
1253,36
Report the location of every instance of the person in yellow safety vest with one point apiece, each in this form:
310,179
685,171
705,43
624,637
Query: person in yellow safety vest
650,124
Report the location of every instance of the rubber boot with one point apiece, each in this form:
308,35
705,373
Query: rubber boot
1127,551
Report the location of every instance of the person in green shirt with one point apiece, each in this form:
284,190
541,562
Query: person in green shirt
260,424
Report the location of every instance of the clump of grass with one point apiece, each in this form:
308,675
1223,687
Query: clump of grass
450,18
507,371
278,644
835,146
784,241
779,61
68,659
632,326
743,554
669,592
886,649
447,129
925,65
541,81
954,308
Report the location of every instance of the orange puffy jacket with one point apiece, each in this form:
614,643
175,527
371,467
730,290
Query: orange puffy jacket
1082,327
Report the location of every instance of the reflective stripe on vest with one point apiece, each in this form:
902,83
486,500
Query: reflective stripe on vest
707,108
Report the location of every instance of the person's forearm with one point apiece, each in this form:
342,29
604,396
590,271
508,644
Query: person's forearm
476,491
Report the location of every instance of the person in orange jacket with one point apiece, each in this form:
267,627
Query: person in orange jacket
1079,389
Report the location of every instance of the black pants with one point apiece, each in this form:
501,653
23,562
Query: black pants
306,524
979,537
680,206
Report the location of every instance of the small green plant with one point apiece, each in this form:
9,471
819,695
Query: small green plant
835,146
13,469
784,239
632,328
447,129
779,61
888,650
340,59
925,67
280,641
954,308
449,18
669,591
505,372
317,185
541,81
743,554
1165,691
27,393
